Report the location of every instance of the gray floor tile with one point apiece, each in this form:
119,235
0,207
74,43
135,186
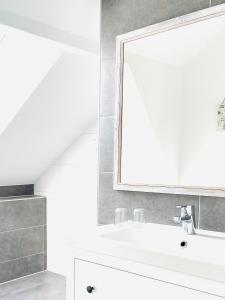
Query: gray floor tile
41,286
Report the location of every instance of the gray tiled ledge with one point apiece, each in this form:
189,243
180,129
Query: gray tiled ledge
21,197
16,190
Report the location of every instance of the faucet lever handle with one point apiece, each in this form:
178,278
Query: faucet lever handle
185,210
187,218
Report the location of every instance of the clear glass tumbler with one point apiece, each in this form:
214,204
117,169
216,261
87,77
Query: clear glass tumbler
139,215
121,215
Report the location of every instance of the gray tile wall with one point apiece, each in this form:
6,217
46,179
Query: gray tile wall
22,236
118,17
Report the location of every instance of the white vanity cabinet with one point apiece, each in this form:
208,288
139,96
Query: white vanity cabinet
113,284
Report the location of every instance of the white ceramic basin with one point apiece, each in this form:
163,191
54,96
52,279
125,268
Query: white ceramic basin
204,246
159,247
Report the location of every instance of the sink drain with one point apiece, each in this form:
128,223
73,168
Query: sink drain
183,244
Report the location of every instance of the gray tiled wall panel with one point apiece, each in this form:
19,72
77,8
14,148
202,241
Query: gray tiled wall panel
160,208
212,212
21,267
22,242
120,16
21,213
106,145
108,85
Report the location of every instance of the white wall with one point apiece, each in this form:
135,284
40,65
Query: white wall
70,186
57,112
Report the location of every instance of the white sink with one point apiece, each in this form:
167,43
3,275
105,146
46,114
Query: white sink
171,240
202,254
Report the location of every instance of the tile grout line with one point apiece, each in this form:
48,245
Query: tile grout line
14,259
22,277
23,228
14,199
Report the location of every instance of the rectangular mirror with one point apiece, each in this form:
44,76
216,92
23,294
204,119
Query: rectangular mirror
170,127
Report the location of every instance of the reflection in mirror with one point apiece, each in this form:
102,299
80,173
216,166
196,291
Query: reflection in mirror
173,131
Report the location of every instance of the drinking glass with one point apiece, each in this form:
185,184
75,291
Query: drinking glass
139,215
121,215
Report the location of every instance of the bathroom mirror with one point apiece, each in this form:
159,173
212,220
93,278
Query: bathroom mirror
170,125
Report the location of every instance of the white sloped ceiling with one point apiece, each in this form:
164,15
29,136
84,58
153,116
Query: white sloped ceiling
59,110
48,97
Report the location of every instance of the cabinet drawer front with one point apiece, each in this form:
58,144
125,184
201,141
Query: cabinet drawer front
98,282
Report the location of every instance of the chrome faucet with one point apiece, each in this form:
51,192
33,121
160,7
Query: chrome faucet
187,218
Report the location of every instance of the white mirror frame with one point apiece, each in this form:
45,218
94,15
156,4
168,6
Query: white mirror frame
138,34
